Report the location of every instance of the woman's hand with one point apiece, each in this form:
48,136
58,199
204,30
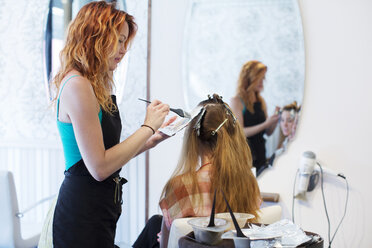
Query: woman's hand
272,120
159,136
155,114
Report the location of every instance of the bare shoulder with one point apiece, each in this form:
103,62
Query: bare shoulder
78,90
236,103
77,97
234,98
77,85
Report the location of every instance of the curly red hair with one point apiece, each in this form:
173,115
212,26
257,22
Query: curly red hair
92,38
251,74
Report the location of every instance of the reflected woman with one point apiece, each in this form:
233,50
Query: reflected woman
288,125
250,109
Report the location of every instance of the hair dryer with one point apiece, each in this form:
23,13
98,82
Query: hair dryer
306,169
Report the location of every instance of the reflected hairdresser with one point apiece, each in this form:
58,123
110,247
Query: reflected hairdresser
250,108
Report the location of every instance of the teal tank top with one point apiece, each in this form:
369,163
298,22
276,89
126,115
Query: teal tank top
244,107
66,131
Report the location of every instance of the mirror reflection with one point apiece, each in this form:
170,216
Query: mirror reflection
288,124
250,108
222,35
60,13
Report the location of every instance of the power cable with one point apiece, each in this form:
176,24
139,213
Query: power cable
330,240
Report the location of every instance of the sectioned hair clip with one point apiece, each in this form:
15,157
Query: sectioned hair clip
198,122
229,112
218,128
218,97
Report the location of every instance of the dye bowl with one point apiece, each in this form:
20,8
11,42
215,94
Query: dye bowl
205,234
241,218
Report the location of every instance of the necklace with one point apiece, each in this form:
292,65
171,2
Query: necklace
204,165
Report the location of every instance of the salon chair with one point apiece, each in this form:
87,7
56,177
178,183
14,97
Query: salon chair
13,233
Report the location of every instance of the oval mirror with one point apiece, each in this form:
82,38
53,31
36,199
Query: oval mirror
221,35
60,13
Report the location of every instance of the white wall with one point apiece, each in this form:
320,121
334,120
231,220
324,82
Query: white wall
335,121
168,19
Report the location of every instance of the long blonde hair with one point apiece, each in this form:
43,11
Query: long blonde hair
250,75
91,39
230,154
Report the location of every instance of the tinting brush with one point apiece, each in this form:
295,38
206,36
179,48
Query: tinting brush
179,112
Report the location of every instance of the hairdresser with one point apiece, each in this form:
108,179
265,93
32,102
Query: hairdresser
250,109
90,197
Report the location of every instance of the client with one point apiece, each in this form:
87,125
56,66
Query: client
288,125
215,155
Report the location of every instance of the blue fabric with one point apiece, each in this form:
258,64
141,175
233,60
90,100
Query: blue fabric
87,210
66,131
244,107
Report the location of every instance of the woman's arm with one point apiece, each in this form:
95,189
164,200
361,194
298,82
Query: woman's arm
237,107
80,104
272,121
271,127
157,137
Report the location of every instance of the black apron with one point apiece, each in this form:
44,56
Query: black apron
87,210
256,142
